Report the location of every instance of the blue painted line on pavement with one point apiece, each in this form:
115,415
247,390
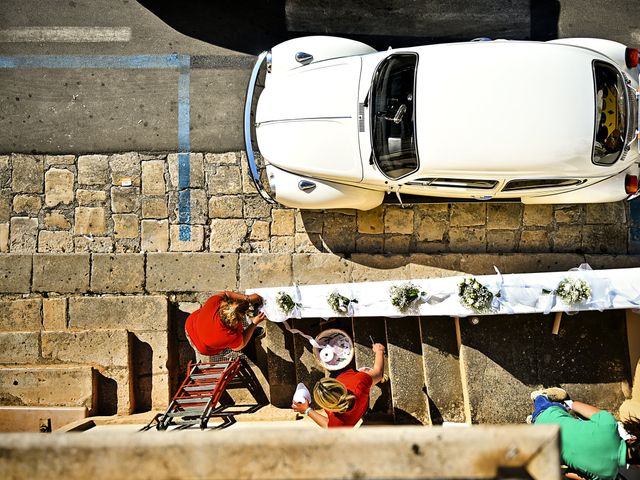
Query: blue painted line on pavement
170,61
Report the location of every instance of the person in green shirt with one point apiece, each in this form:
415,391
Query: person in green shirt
592,446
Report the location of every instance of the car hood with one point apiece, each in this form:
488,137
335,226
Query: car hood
496,108
306,120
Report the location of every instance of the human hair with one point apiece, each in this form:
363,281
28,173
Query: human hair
332,395
632,426
232,312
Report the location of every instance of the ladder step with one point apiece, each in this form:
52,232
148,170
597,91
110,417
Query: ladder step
205,376
187,412
200,388
185,400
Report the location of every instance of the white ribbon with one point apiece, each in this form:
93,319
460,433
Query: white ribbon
498,302
311,340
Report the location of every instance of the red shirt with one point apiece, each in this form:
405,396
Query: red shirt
207,332
358,384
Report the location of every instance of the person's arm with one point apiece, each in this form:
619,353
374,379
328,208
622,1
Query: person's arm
320,419
253,298
377,372
573,476
246,334
584,409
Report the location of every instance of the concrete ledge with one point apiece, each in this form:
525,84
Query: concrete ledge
119,312
191,272
61,273
400,452
29,419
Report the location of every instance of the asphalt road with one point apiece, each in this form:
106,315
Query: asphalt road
73,99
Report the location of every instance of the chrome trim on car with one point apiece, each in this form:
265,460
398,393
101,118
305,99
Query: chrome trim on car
248,140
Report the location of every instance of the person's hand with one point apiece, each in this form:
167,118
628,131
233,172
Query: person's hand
261,317
378,347
255,298
300,407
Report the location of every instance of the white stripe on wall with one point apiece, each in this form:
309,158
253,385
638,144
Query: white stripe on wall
65,34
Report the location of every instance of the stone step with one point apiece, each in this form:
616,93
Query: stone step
504,358
49,386
364,330
406,371
308,370
39,419
442,369
109,351
281,369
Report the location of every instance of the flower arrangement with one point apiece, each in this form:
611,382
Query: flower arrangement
339,303
286,303
475,296
573,291
405,296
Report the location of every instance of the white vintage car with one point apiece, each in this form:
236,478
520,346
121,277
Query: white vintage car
332,123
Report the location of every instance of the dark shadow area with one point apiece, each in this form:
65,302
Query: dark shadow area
180,351
280,367
246,378
107,395
513,473
251,26
142,373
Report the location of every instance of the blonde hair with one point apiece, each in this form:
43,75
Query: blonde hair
332,395
232,312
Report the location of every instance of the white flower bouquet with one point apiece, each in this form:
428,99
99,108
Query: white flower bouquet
286,303
573,291
339,303
475,296
405,296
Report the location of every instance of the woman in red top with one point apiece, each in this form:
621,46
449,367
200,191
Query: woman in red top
345,399
218,324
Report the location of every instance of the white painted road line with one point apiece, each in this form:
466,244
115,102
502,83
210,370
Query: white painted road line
65,34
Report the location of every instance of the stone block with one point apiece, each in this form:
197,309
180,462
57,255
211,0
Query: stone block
309,221
48,386
125,169
259,231
51,160
23,234
394,244
467,239
4,237
309,243
197,204
26,204
371,221
58,187
20,315
15,273
225,180
431,222
225,206
612,239
282,244
227,235
55,242
125,225
377,268
153,182
155,235
154,207
195,242
567,238
150,375
56,221
282,222
61,273
571,214
504,216
19,347
190,272
468,214
262,246
501,240
93,170
534,241
265,270
91,197
5,171
320,268
408,391
90,221
227,158
6,196
537,215
339,232
364,243
54,314
86,244
125,199
28,174
605,213
131,313
196,170
256,207
120,273
280,365
398,220
106,348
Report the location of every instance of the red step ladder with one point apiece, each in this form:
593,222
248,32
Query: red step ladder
196,399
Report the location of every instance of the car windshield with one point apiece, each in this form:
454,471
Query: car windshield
392,116
611,114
